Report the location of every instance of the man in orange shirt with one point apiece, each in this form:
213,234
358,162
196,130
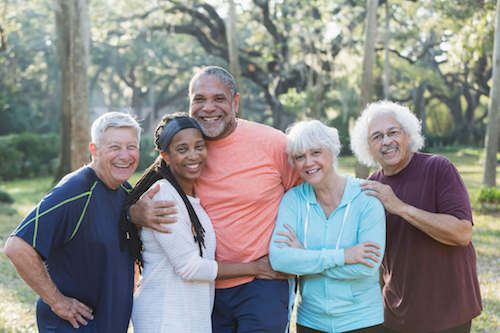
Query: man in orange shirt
245,176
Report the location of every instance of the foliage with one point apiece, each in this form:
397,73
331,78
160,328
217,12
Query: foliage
28,71
5,197
147,151
298,59
487,200
28,155
489,195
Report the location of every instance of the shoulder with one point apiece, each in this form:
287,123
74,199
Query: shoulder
260,132
78,183
435,163
361,199
296,193
432,159
167,191
376,175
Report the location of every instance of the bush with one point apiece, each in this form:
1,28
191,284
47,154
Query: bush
5,197
28,155
489,195
148,152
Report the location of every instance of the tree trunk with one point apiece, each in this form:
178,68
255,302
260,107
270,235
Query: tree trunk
232,43
367,81
492,131
387,67
419,102
72,28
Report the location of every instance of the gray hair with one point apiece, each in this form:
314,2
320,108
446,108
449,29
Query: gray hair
223,75
402,114
113,119
311,134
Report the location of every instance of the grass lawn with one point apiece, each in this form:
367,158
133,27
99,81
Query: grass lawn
17,300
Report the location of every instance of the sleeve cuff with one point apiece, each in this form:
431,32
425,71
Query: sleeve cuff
333,257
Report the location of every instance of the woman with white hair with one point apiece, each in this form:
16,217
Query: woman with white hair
331,235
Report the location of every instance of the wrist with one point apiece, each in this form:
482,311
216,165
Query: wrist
53,298
404,210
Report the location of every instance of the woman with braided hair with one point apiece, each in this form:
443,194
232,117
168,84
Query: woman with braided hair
176,291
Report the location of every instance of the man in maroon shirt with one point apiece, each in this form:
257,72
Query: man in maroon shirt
429,266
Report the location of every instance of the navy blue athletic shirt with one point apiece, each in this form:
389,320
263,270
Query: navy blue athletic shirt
75,231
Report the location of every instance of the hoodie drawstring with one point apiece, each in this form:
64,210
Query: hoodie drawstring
306,224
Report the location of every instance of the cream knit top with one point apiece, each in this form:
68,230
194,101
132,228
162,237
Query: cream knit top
176,291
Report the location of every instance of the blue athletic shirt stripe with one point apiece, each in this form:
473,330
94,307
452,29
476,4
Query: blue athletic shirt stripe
83,212
37,215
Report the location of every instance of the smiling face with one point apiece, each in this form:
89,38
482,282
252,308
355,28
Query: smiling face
186,155
211,104
314,165
389,144
116,155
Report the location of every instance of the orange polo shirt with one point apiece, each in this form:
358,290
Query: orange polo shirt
241,186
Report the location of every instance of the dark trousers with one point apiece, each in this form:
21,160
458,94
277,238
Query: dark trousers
259,306
465,328
371,329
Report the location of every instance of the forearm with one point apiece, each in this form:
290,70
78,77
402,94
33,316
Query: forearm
444,228
352,272
227,270
304,261
32,269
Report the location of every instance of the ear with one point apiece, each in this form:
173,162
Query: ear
164,156
93,148
236,103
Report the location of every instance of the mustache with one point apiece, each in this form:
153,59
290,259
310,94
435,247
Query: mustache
386,148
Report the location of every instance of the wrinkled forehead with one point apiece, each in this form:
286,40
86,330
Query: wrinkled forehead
209,84
382,123
122,134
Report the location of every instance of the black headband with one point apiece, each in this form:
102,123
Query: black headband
173,127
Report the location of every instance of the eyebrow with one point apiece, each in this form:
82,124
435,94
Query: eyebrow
387,130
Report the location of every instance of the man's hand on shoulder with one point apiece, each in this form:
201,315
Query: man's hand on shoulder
153,214
72,310
385,194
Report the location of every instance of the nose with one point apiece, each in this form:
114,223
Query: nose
386,139
308,160
124,153
192,154
209,106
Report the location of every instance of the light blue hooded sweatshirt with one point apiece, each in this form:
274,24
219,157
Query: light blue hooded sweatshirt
335,297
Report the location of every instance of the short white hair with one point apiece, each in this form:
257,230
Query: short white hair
113,119
311,134
402,114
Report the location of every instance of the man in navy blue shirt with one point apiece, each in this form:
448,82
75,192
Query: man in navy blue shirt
68,248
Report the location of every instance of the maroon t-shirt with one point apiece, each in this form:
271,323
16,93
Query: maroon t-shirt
429,286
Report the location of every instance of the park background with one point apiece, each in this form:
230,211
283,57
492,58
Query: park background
65,62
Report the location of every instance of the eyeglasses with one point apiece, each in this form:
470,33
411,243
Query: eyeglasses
392,133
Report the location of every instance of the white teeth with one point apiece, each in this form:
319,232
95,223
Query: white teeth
309,172
193,166
122,165
388,151
210,119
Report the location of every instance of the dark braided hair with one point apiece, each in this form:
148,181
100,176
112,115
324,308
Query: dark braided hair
156,171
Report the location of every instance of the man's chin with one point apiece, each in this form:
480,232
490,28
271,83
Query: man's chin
211,133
